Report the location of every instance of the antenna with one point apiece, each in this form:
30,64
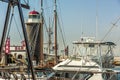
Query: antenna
55,25
96,33
113,25
81,30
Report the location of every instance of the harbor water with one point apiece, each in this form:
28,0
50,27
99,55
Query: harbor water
117,69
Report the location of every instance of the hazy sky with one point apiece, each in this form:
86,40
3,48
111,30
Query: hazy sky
81,14
77,17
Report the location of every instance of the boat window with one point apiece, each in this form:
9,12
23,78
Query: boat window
69,75
83,76
40,74
91,45
48,72
66,75
34,16
59,74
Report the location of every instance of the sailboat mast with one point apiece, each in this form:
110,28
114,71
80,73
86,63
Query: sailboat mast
55,32
49,36
41,34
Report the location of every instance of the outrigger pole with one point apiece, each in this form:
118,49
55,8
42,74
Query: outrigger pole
12,3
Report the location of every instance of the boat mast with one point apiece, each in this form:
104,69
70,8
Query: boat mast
26,39
55,31
49,36
41,35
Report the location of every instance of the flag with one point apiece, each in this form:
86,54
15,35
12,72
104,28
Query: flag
23,43
7,46
66,51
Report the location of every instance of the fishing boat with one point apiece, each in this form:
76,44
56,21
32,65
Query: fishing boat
91,60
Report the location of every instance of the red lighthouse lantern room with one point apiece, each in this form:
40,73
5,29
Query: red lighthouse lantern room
34,16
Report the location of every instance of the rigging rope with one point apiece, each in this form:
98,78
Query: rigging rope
110,29
26,1
61,33
17,28
11,19
10,22
45,26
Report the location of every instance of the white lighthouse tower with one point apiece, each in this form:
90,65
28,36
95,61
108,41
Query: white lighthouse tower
35,35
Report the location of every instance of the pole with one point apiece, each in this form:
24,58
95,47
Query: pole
5,27
5,31
41,35
55,39
26,39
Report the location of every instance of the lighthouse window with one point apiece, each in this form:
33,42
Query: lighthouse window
34,16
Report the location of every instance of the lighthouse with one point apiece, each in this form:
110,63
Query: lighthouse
34,30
